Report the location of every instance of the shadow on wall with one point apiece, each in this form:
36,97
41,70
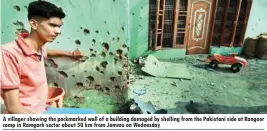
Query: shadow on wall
200,108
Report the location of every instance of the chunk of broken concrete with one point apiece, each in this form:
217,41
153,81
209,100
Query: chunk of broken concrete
139,91
165,69
146,107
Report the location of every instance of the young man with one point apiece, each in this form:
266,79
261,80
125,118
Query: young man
23,77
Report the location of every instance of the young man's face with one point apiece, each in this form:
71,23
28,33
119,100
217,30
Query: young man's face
48,29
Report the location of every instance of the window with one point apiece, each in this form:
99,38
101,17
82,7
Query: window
170,22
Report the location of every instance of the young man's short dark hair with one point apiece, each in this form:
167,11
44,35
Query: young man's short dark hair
44,9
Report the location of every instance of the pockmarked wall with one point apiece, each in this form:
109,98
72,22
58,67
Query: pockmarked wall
138,25
99,28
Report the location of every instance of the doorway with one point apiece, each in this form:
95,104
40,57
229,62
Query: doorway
196,25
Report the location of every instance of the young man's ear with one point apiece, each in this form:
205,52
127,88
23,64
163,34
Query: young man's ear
34,24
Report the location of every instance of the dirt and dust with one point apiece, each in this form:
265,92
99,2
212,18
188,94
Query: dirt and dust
209,91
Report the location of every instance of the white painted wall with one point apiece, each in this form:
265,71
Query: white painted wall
257,22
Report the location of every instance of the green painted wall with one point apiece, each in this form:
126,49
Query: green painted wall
83,14
105,21
139,22
225,50
138,25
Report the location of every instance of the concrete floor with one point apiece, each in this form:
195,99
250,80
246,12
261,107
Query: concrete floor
219,91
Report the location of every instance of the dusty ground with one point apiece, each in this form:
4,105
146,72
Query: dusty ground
219,91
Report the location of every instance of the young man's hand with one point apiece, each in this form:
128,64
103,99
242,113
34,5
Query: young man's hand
77,54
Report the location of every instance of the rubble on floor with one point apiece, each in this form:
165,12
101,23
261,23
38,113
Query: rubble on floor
157,68
218,91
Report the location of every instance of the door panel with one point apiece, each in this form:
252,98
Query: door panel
200,23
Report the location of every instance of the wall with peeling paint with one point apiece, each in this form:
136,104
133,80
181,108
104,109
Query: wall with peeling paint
100,30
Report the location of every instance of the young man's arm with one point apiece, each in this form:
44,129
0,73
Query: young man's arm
10,80
12,102
72,54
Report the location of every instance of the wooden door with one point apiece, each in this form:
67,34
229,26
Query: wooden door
199,27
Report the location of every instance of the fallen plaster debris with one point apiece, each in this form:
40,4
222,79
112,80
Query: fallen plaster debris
139,91
145,106
165,69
